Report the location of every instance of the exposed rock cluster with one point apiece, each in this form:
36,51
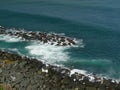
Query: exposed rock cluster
52,39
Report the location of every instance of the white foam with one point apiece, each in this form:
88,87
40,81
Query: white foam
16,51
8,38
82,78
91,78
49,53
114,80
80,43
61,34
73,71
13,49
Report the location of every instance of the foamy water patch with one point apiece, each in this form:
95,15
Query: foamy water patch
48,53
8,38
73,71
79,43
61,34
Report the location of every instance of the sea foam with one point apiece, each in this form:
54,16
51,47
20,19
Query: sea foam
8,38
48,53
73,71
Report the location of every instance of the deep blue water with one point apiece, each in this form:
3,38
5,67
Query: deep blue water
96,22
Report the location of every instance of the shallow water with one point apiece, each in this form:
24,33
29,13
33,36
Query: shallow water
96,22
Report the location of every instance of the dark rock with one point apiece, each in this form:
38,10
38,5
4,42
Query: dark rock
41,36
29,76
0,70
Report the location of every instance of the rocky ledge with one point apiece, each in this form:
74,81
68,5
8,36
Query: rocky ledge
52,39
22,73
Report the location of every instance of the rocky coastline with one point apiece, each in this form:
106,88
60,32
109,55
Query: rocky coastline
52,39
23,73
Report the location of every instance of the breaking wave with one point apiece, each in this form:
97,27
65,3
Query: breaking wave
8,38
43,51
48,53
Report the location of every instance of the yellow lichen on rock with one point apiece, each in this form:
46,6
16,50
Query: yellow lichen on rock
9,61
6,62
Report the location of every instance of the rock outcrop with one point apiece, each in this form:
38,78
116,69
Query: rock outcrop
52,39
22,73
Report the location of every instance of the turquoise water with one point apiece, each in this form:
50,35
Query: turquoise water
96,22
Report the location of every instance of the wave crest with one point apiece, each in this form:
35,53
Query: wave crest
48,53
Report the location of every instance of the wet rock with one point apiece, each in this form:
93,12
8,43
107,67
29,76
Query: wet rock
22,64
64,44
30,74
41,36
0,70
91,88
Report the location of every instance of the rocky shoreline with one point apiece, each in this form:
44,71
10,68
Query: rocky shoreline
52,39
22,73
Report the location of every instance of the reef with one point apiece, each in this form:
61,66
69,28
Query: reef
23,73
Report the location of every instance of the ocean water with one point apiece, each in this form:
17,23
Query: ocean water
96,22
